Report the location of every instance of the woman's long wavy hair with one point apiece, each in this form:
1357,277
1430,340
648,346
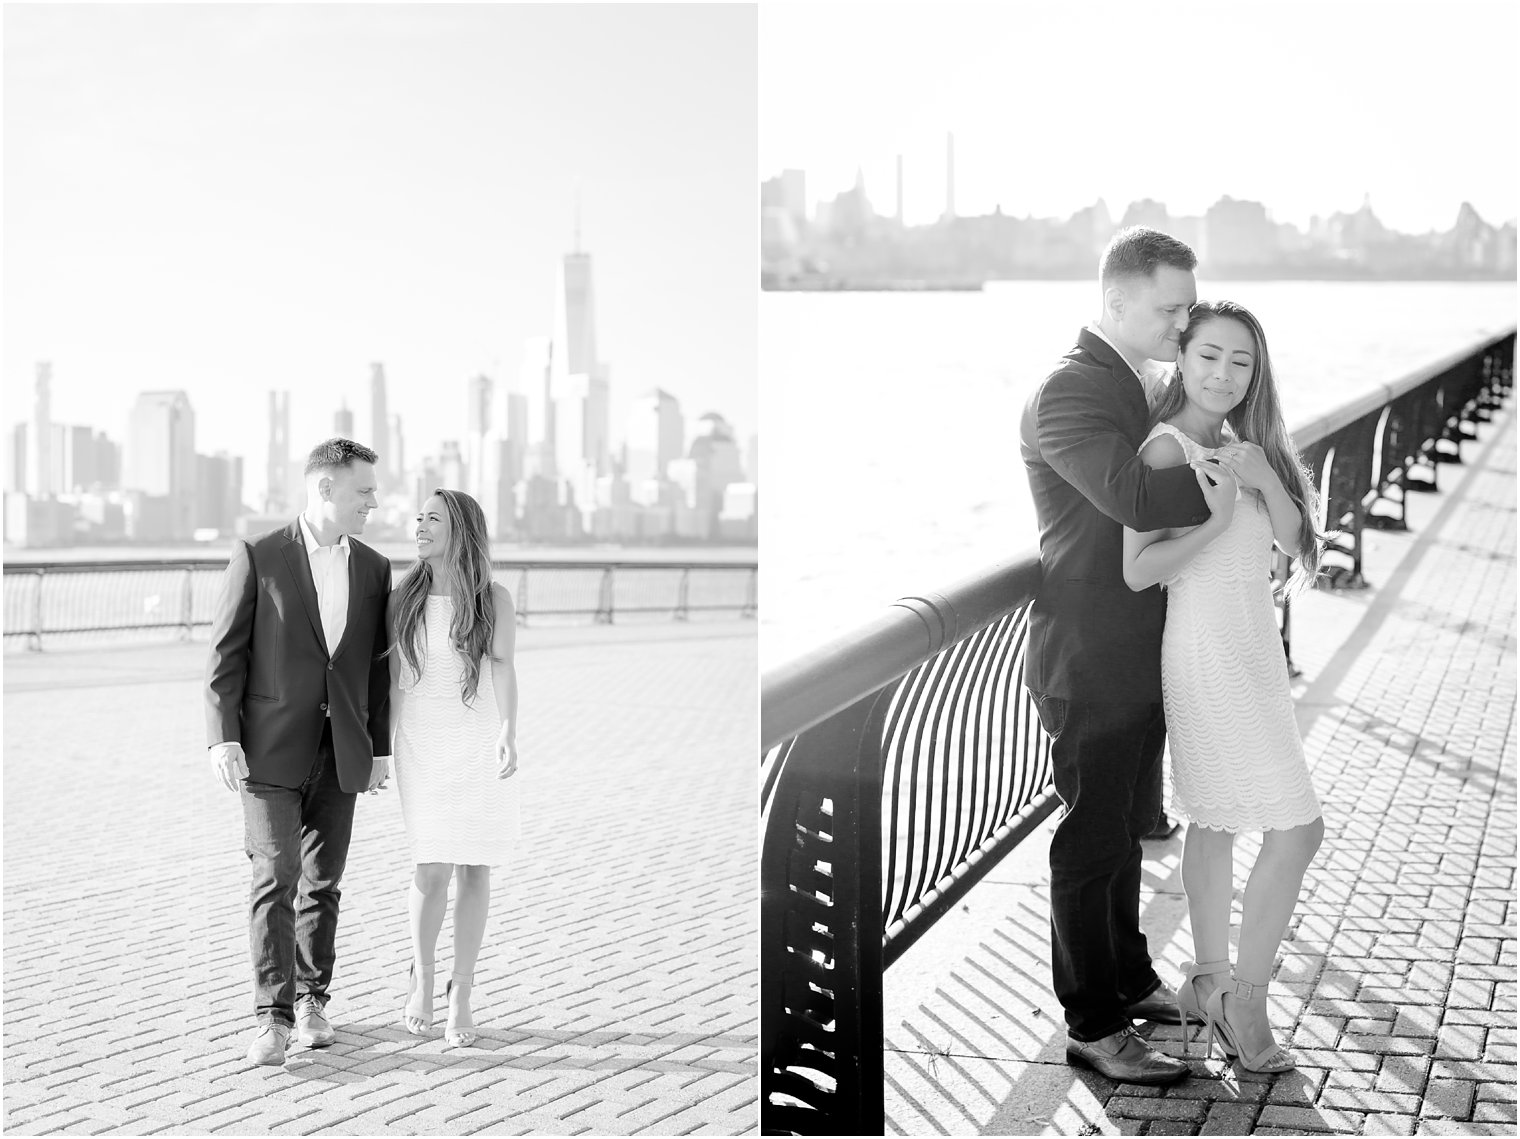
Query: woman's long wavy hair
1258,419
468,556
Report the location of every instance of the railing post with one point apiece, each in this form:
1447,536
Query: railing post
683,596
821,932
37,612
752,596
522,598
187,604
604,599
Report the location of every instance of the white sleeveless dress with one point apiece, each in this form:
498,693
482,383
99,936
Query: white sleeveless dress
454,807
1237,759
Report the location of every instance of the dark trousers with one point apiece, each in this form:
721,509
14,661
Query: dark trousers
1107,760
297,841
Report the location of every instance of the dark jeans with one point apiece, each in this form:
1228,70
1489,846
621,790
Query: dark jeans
1107,760
297,841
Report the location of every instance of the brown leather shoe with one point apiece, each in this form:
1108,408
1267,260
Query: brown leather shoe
1160,1007
268,1045
312,1027
1126,1058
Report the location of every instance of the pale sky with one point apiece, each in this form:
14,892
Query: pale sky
229,199
1305,107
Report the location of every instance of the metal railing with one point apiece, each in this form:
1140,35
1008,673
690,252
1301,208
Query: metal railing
56,598
901,761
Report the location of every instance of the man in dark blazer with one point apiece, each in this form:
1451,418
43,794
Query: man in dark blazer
1093,663
298,719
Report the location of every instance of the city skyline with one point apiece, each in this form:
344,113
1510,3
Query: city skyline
232,201
1055,106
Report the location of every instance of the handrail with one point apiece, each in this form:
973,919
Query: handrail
178,594
808,689
903,759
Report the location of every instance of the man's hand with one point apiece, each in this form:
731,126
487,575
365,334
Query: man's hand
228,764
379,772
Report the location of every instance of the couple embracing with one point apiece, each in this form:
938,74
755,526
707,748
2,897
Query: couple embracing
1142,485
314,661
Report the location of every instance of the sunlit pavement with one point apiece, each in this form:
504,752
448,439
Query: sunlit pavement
1396,985
616,992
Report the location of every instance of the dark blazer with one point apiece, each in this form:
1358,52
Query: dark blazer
1091,637
271,680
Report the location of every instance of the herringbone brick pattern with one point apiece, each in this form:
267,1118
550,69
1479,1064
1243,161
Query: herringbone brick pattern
616,991
1396,984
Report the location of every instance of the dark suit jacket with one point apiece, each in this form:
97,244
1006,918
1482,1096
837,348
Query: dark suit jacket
1091,637
271,678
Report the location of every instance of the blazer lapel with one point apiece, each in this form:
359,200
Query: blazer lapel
1124,376
300,569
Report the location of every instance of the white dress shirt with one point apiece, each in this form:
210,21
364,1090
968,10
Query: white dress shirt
329,570
1154,375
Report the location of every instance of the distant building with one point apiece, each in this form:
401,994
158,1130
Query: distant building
535,379
15,467
343,422
711,465
480,395
578,380
387,472
279,496
738,518
451,472
1238,234
218,491
656,436
40,482
160,458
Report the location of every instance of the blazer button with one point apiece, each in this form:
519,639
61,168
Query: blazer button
329,666
324,707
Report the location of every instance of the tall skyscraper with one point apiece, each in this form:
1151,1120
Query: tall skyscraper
40,484
277,489
395,449
578,379
160,456
343,422
479,467
379,425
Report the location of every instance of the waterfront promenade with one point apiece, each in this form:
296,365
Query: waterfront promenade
616,992
1396,985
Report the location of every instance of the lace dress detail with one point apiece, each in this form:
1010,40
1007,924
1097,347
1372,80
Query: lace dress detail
1237,759
454,807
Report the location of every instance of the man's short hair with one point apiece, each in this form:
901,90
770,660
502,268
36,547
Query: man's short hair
338,452
1136,250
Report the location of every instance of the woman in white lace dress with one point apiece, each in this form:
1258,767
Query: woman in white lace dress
1237,760
454,707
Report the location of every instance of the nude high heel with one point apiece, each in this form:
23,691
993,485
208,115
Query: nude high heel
454,1035
1271,1059
1189,1008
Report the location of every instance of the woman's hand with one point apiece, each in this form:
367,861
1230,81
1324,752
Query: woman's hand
506,752
1248,463
1218,486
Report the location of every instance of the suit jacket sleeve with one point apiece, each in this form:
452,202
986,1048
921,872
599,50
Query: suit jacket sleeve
231,636
1082,437
380,672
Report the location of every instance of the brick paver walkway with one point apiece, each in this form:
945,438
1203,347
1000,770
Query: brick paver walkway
616,991
1396,984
